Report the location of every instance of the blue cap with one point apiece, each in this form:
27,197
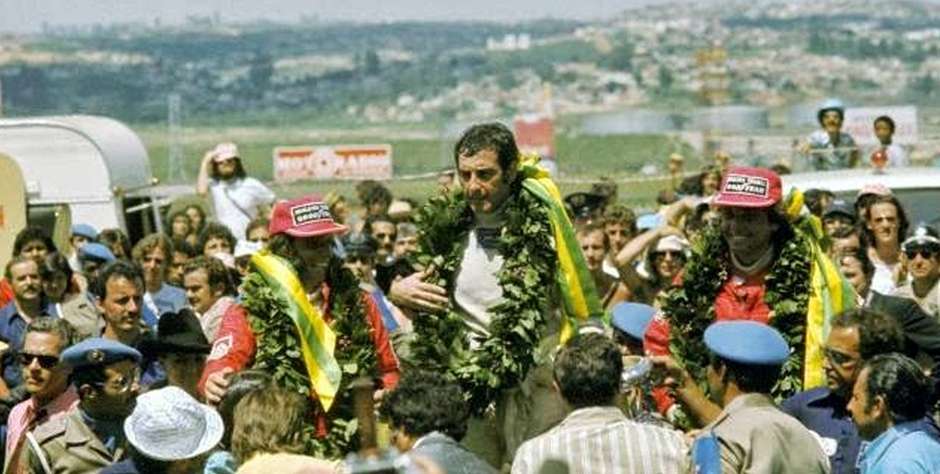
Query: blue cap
747,342
98,351
633,318
85,230
649,221
96,251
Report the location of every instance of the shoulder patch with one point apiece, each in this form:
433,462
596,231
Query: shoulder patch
52,428
220,348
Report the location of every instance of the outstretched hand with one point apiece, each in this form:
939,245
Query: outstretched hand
414,293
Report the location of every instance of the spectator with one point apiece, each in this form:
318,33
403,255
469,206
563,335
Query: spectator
81,235
179,224
587,375
240,384
921,330
90,437
845,240
856,336
376,199
93,256
117,243
181,347
866,195
257,230
890,403
197,219
428,417
169,432
400,210
584,207
27,305
360,260
339,208
894,153
838,216
152,254
210,292
120,294
383,230
666,254
831,148
885,226
58,284
236,197
406,240
753,435
244,250
215,238
33,242
818,200
595,248
46,380
620,227
182,253
268,421
922,264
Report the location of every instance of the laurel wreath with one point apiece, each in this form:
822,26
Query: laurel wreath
502,359
279,353
690,307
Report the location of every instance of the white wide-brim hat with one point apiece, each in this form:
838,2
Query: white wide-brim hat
170,425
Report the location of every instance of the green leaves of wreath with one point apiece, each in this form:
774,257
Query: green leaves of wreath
502,359
690,308
278,352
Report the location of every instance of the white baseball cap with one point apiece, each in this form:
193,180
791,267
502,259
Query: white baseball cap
170,425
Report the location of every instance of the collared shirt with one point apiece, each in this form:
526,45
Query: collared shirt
12,331
826,155
930,303
600,440
906,448
825,414
26,414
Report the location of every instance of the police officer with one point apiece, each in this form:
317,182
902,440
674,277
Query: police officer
753,434
629,322
90,436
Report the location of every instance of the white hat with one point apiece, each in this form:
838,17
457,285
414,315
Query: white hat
224,151
246,247
170,425
672,242
226,258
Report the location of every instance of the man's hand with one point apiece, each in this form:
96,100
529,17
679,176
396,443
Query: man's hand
413,292
674,376
217,385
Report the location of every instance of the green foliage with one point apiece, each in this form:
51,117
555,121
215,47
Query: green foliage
690,307
278,352
501,360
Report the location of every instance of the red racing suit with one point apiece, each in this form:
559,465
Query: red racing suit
234,346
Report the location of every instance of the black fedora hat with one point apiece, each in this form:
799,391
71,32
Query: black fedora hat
178,332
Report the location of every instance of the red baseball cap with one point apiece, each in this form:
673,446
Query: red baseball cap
307,216
749,187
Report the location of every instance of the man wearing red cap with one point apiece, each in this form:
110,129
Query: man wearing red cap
297,290
755,266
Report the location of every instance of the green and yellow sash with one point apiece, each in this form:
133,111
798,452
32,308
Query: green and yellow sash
317,340
579,296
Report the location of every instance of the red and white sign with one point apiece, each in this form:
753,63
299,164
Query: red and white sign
860,123
332,162
536,134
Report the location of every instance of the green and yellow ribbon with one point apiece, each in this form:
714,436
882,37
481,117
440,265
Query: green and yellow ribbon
317,340
579,296
831,294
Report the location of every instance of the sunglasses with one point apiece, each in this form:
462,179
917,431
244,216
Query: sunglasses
123,384
672,253
925,252
45,361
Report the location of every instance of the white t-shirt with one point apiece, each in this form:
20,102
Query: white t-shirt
883,279
236,202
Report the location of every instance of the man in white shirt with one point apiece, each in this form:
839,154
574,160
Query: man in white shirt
236,197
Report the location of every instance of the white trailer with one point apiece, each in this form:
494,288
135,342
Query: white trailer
96,166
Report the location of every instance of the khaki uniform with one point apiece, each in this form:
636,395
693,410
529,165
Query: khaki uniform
70,447
82,314
756,437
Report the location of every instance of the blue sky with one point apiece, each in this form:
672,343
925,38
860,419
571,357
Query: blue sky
29,15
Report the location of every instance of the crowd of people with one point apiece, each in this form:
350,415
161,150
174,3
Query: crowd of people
496,327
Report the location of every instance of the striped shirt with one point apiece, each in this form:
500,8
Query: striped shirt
598,440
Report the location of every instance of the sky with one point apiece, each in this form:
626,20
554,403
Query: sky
23,16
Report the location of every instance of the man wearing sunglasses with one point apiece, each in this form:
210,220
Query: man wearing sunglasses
90,437
45,379
855,337
922,261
